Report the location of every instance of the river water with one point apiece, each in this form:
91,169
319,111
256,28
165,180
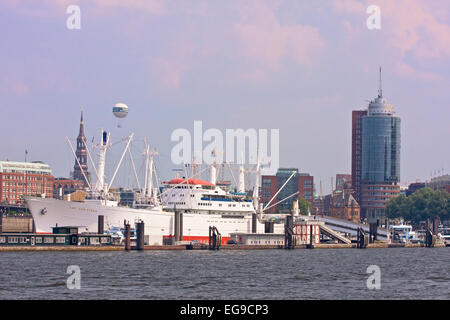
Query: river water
405,273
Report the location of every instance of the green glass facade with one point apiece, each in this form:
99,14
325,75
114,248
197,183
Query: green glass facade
290,188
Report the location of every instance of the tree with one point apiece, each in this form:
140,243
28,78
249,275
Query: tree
421,205
304,206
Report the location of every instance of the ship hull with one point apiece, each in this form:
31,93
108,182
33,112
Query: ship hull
159,224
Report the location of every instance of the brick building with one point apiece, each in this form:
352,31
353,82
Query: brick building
344,206
413,187
64,186
343,181
357,151
24,178
439,183
301,182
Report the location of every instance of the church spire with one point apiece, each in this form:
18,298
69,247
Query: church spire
81,134
81,154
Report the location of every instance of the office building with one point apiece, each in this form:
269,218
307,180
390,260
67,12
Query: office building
303,183
376,156
24,178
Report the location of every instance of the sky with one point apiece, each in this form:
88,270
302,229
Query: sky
300,66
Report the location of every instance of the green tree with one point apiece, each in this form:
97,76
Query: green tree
421,205
304,206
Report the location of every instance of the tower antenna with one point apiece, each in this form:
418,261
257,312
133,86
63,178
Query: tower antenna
380,90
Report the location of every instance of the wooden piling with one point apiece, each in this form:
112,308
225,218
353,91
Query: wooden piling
210,238
101,224
289,232
180,219
140,235
127,236
176,226
215,238
363,239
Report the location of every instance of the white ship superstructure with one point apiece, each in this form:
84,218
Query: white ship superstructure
201,196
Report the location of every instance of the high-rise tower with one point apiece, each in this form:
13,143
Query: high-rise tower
357,116
81,154
376,156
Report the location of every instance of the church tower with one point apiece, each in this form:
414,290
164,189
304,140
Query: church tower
81,154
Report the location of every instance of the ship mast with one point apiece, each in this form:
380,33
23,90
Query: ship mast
149,194
104,141
241,181
213,170
256,187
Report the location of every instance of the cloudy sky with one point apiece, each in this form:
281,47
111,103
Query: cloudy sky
300,66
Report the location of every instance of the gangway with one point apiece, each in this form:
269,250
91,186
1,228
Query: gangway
351,227
334,234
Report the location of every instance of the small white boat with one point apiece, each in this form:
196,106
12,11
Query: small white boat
444,234
402,233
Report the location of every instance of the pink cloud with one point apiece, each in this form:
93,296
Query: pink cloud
266,42
168,71
13,85
410,26
20,77
414,28
411,29
407,70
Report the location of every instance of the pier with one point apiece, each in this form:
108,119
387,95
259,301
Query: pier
300,233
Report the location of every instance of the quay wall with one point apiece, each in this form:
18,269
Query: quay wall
225,247
16,224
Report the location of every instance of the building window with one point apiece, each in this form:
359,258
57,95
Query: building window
267,183
308,184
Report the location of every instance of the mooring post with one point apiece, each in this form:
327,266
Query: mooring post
436,225
311,236
288,232
358,238
140,235
254,223
176,226
363,238
210,238
388,234
101,224
181,225
127,236
219,237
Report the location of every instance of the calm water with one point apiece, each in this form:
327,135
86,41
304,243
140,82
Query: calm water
261,274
